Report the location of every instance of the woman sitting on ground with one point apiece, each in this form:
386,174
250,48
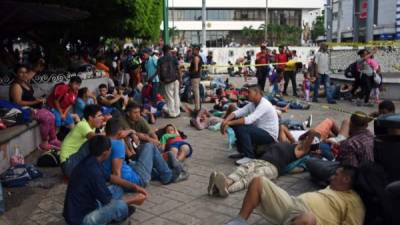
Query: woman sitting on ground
22,93
173,142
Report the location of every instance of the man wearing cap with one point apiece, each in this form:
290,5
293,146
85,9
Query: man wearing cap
195,75
151,69
262,57
354,151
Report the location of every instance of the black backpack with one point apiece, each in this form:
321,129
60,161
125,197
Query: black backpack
168,70
49,159
351,71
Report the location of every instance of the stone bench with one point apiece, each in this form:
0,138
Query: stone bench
26,136
391,84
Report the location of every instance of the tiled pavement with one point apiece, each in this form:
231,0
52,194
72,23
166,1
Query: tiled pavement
186,202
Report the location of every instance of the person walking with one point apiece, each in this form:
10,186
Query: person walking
167,69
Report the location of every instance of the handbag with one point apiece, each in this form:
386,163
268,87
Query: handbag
19,175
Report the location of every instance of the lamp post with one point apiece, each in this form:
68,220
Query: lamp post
370,20
165,22
328,10
203,23
266,21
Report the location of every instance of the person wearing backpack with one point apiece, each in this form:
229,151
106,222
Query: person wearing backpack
167,69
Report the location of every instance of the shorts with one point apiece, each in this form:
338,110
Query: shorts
179,144
277,206
59,122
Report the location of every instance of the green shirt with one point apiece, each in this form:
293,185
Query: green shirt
75,138
165,138
140,126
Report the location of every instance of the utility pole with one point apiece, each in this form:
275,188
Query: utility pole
370,20
165,21
328,10
266,21
203,23
356,16
339,27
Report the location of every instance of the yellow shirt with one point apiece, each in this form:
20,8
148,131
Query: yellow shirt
75,138
290,65
335,207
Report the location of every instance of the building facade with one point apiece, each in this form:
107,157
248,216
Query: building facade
349,19
225,19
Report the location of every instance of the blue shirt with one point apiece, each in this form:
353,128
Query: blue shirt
151,68
86,186
118,151
79,107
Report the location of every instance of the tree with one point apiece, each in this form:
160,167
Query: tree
318,27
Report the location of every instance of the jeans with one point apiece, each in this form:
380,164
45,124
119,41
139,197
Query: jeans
290,76
248,136
321,170
326,81
150,164
116,210
292,124
275,88
69,165
262,74
154,91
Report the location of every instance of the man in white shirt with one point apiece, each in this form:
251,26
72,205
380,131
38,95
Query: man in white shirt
255,124
322,73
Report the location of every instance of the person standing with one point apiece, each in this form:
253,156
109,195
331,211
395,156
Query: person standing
151,69
262,72
281,59
290,73
322,75
367,74
167,70
195,75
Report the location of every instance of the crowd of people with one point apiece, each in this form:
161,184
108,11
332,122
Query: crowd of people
108,145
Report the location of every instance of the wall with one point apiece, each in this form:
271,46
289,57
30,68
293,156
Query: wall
305,4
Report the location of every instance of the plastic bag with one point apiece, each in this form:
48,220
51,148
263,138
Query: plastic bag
17,158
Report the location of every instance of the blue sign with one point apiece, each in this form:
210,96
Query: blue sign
398,36
386,36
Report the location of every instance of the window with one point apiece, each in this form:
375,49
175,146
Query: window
218,14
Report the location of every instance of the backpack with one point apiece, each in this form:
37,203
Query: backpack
351,71
168,70
370,185
13,114
19,175
49,159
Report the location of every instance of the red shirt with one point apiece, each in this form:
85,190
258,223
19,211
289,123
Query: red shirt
281,58
261,58
68,96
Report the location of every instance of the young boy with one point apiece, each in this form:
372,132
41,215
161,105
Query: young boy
115,100
88,200
62,99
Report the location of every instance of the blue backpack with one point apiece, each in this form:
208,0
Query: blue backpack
19,175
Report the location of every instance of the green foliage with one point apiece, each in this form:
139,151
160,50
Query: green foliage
318,27
277,34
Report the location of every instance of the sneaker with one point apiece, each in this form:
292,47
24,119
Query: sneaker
236,156
309,121
368,104
243,161
55,143
45,147
332,102
131,210
220,184
236,221
211,184
183,175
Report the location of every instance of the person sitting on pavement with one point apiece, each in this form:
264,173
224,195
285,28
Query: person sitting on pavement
386,107
85,97
255,124
148,160
89,201
115,100
355,150
271,164
133,120
336,204
171,141
70,155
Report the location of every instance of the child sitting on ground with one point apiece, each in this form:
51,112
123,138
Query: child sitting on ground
116,100
172,141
